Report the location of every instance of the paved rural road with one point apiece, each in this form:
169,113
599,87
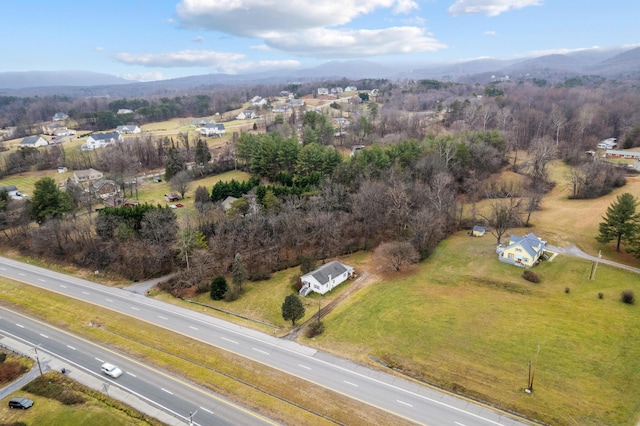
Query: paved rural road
572,250
141,383
404,398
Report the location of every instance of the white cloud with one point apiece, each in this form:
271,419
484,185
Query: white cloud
98,49
198,39
184,58
260,47
144,76
489,7
490,33
355,43
252,18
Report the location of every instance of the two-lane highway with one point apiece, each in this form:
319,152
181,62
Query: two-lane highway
388,392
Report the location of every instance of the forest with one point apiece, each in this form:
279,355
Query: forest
431,148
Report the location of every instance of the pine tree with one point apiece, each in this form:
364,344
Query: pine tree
292,308
621,221
219,287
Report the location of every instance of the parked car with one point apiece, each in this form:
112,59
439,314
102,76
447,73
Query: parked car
111,370
19,402
179,205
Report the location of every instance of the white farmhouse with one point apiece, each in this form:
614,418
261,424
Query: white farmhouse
325,278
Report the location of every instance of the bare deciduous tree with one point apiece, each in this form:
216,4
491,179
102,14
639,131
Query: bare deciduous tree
181,182
397,254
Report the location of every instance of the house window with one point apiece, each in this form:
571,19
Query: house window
525,259
518,250
510,256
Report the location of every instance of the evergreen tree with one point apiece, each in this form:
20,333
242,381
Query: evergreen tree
202,155
49,202
219,287
292,308
621,221
238,272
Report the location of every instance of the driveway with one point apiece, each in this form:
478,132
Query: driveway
572,250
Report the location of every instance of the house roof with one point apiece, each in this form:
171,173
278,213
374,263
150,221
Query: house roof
30,140
529,243
478,228
332,269
104,136
8,188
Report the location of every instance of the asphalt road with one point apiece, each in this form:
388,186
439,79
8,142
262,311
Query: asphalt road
159,388
406,399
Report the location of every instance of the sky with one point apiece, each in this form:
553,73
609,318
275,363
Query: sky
149,40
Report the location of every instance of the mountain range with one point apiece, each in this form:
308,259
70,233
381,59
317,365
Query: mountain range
617,63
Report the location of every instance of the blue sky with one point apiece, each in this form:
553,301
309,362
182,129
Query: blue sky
158,39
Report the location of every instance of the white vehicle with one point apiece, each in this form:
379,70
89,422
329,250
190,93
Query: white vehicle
111,370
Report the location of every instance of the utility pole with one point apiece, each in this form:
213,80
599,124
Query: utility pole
595,266
191,417
532,372
39,366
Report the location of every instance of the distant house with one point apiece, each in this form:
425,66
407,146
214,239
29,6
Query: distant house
124,111
336,90
295,103
608,143
198,122
213,129
351,89
356,149
105,188
62,169
100,140
171,197
281,108
60,116
478,231
13,193
227,202
89,175
245,115
323,91
612,153
258,101
33,142
51,128
127,130
522,251
325,278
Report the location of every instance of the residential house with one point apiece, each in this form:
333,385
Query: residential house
281,108
522,251
33,142
62,169
124,111
105,188
325,278
214,129
13,193
296,103
356,149
171,197
608,143
89,175
199,122
335,90
100,140
227,202
478,231
258,101
60,116
245,115
53,127
129,129
323,91
622,154
351,89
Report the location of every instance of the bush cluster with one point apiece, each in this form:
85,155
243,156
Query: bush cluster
531,276
628,297
316,328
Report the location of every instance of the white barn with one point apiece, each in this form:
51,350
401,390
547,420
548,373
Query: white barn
325,278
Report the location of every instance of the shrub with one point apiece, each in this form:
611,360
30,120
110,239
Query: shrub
628,297
3,357
233,293
566,290
600,295
219,288
10,371
531,276
316,328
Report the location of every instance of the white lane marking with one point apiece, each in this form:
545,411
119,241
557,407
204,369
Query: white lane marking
161,317
85,292
229,340
261,351
71,347
108,300
44,335
208,411
458,423
134,308
20,325
304,366
405,403
99,360
21,274
63,286
169,392
41,280
131,374
349,383
192,327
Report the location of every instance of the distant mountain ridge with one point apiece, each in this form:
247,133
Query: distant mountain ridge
608,63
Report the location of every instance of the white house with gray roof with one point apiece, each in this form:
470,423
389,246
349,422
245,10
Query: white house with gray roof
325,278
33,142
100,140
